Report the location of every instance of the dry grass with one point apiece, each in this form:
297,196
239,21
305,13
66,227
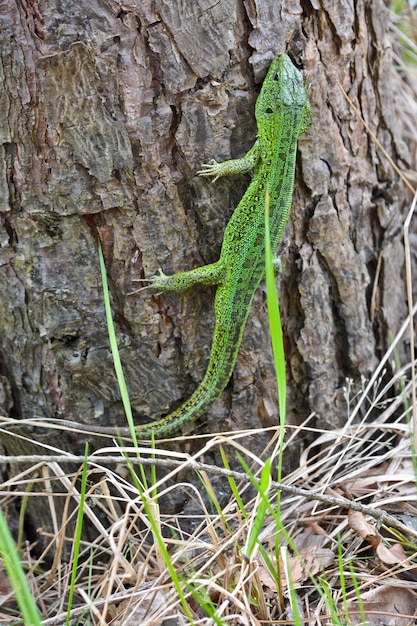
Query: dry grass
368,463
349,512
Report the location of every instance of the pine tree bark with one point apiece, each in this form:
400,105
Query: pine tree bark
108,109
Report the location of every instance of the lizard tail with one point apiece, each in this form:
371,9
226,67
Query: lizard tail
218,373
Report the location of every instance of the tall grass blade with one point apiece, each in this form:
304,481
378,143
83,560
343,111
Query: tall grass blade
115,351
11,560
275,319
78,532
261,509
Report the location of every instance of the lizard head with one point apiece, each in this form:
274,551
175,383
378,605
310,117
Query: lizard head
282,88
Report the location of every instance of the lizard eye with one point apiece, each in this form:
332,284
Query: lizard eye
276,76
268,110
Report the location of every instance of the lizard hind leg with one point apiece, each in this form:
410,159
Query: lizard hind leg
212,274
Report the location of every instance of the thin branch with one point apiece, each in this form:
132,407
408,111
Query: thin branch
377,514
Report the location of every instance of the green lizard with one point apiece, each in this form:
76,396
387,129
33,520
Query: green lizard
282,115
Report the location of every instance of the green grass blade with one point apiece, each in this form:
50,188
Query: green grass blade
275,320
261,509
263,504
159,539
327,597
201,596
78,532
10,557
342,574
22,514
280,369
357,592
214,501
115,351
291,589
232,483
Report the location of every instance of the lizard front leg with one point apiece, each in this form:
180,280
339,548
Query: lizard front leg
233,166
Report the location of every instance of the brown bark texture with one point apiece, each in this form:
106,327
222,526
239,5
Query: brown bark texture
107,111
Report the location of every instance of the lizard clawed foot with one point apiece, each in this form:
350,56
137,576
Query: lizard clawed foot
132,293
155,282
213,168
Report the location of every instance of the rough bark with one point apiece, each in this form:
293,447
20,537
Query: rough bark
107,111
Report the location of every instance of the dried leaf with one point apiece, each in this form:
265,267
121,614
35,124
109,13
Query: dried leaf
384,606
266,580
391,556
310,561
387,555
364,529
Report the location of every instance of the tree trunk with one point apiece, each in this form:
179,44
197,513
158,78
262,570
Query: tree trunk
108,110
